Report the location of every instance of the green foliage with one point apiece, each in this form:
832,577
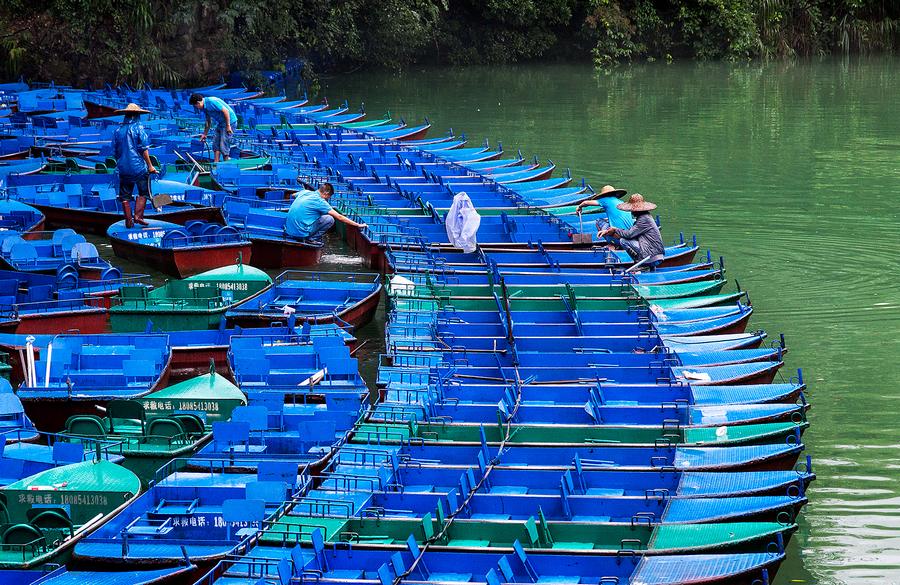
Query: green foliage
168,42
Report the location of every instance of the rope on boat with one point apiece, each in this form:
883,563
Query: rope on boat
508,433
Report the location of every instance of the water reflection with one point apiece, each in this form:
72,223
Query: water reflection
791,172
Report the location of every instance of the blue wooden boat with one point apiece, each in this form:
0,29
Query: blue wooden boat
20,168
83,372
285,365
189,513
268,563
88,202
181,251
317,297
63,576
193,349
268,430
404,134
20,218
36,303
265,229
48,252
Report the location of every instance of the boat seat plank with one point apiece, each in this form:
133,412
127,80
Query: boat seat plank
456,577
470,543
573,545
604,492
509,489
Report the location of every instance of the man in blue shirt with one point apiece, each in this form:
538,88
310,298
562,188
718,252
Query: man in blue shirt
225,118
310,215
131,149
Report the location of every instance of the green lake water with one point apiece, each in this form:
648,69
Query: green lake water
791,172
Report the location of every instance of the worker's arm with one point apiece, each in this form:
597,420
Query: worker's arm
586,203
150,168
206,128
344,219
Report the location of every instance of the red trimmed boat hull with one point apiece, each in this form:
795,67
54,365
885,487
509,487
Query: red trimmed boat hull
417,135
86,322
97,222
278,254
50,414
95,110
183,262
33,234
21,155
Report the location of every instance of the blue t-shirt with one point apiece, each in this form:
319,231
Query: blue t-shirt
307,207
130,140
212,107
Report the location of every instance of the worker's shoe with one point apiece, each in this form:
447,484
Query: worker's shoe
139,211
129,218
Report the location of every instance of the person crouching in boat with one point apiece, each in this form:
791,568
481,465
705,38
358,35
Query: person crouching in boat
131,149
642,240
310,215
216,109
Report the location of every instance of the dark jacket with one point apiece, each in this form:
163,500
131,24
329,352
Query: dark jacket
644,236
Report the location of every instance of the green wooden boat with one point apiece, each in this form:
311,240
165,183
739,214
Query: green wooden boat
197,302
554,297
698,301
545,435
164,425
47,513
5,368
613,293
560,537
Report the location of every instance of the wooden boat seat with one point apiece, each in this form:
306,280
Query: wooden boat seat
164,429
346,574
176,507
590,519
509,489
193,424
23,534
50,520
463,577
143,526
247,449
125,417
470,543
107,350
573,545
604,492
128,292
86,425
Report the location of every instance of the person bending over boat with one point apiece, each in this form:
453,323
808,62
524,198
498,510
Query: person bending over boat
642,240
608,198
216,109
131,149
310,215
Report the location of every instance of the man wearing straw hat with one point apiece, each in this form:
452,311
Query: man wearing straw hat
608,199
131,148
642,240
